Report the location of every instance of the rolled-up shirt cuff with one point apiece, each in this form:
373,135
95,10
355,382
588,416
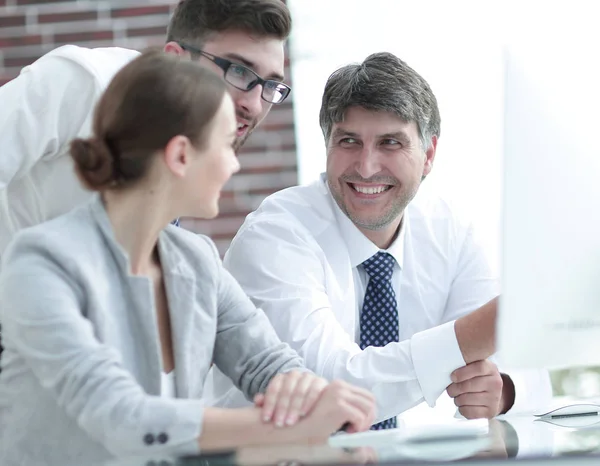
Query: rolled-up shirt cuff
435,355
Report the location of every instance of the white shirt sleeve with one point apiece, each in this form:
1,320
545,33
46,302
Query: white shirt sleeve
284,274
42,110
474,282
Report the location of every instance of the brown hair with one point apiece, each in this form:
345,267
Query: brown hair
152,99
196,21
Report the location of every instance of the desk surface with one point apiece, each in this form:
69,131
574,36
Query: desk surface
517,440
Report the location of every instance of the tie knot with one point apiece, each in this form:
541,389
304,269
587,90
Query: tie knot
380,266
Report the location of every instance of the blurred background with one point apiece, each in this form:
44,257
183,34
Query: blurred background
456,45
30,28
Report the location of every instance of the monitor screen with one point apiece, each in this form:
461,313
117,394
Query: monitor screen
549,315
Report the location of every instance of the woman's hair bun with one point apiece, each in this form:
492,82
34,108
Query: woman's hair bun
94,163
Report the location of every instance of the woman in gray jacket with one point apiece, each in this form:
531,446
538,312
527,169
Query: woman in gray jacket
112,317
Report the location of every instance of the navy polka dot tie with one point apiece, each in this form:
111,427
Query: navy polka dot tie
379,317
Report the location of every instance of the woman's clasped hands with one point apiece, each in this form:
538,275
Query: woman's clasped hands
302,398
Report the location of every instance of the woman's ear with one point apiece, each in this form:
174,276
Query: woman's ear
177,155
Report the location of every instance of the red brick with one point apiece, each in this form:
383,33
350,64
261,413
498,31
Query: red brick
275,169
260,176
66,17
148,31
19,61
229,209
11,21
222,228
220,236
276,125
260,191
257,147
154,41
74,37
6,42
141,11
41,2
5,79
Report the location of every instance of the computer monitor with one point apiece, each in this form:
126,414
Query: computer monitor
549,315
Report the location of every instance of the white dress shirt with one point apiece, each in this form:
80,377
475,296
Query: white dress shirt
298,258
42,110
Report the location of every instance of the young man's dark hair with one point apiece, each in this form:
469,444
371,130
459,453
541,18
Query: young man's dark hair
196,21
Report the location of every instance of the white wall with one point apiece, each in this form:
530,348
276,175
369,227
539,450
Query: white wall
457,45
452,44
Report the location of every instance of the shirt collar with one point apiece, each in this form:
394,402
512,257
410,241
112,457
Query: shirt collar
360,248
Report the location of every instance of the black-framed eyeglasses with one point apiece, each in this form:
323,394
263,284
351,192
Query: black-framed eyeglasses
243,78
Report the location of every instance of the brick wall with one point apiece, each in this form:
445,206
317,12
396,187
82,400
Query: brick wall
30,28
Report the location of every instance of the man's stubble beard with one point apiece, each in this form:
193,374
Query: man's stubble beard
397,209
239,142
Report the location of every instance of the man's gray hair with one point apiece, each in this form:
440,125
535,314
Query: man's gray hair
385,83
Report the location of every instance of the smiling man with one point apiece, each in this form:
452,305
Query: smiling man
370,278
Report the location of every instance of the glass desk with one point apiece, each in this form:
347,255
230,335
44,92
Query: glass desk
520,440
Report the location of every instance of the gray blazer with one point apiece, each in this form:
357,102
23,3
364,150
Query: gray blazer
81,369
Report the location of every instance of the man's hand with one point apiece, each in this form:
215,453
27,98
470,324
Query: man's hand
290,397
480,391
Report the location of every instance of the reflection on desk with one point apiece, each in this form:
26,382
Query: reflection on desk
441,441
513,439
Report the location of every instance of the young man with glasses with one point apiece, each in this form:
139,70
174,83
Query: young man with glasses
52,101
